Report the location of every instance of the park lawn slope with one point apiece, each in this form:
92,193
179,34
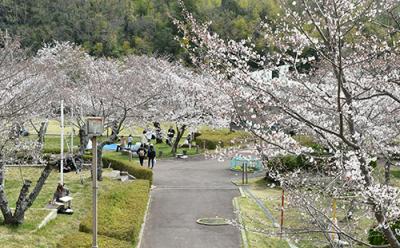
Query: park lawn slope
84,240
211,138
121,210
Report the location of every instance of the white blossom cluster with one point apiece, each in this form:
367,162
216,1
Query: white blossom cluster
342,88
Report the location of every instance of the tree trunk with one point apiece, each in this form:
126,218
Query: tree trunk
180,131
387,172
2,172
24,201
111,139
83,140
4,207
21,205
42,131
40,182
387,232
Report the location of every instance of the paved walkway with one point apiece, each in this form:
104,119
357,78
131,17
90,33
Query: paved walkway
186,191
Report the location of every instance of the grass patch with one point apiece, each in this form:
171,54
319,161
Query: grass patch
26,235
396,173
211,138
250,212
121,211
84,240
52,145
262,233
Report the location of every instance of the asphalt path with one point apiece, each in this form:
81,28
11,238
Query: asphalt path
183,192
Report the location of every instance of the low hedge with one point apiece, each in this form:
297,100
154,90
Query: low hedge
121,211
123,164
84,240
134,169
375,237
288,163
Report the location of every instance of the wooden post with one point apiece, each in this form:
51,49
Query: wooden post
282,211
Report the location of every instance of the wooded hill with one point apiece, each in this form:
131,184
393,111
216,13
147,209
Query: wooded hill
119,27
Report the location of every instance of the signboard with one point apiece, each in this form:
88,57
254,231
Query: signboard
95,126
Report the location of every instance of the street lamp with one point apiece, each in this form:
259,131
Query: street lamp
95,128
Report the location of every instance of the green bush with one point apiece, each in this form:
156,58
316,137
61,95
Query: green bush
373,164
131,167
375,237
121,211
84,240
118,162
288,162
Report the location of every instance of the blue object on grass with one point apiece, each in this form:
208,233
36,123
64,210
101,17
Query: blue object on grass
253,163
112,147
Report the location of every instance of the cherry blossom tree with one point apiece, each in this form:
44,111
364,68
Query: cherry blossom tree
22,88
342,88
189,99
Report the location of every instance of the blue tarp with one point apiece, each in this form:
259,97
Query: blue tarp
111,147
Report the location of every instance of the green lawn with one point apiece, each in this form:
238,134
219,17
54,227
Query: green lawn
27,235
261,233
217,136
52,145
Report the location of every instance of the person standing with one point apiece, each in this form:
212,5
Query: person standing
141,153
144,139
130,140
151,156
122,144
171,134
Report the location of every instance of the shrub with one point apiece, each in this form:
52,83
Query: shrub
136,170
375,237
288,163
84,240
123,164
121,210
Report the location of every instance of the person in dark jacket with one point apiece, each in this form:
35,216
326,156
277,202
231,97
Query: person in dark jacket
151,156
170,135
141,153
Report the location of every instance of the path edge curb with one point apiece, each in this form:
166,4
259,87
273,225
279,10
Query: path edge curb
243,235
141,233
